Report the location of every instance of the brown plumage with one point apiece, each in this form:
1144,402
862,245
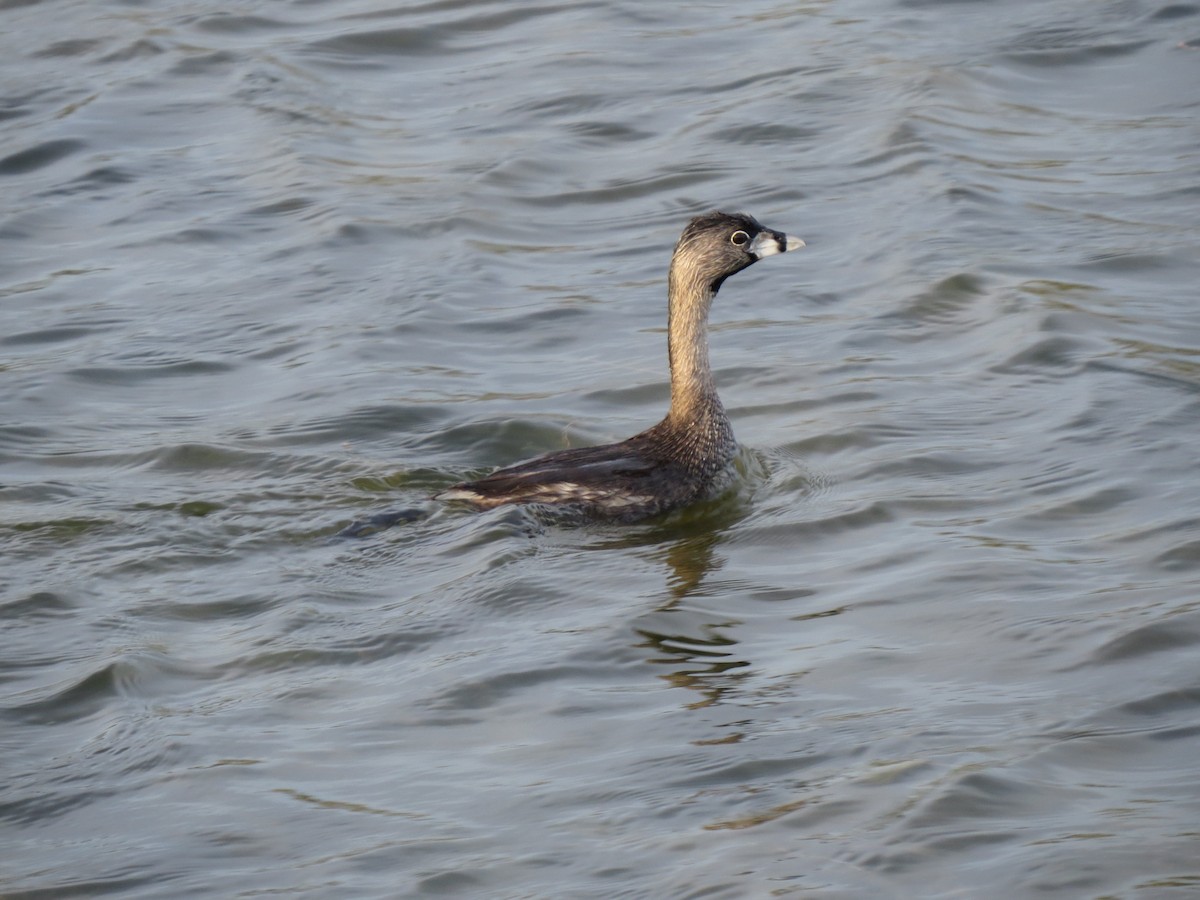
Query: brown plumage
689,454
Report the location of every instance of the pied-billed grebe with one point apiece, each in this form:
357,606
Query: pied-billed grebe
689,454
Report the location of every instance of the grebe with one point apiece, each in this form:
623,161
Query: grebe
689,454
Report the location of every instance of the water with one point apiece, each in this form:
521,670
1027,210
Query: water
270,267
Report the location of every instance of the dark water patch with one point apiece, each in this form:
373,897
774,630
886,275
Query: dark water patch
359,47
946,301
79,700
892,162
990,797
722,774
129,376
198,509
69,47
20,438
1173,11
403,425
137,558
1184,557
195,457
204,63
223,23
609,133
351,653
1142,740
49,281
38,605
44,154
930,4
372,523
15,106
556,107
1107,499
1054,49
1167,703
200,236
68,887
245,606
692,177
653,397
420,479
832,443
779,411
1046,354
767,133
495,690
284,207
58,530
1148,640
742,82
1164,378
934,466
505,440
47,336
139,49
21,809
490,22
827,525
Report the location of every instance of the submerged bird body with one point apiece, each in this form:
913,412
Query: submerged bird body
689,454
660,469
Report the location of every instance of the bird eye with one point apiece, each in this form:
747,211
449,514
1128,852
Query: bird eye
739,238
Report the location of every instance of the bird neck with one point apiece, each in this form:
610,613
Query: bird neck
693,391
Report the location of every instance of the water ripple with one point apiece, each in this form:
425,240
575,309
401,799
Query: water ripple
268,270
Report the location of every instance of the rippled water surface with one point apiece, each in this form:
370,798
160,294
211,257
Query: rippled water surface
268,267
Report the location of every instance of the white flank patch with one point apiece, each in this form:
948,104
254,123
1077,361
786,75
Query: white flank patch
458,494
